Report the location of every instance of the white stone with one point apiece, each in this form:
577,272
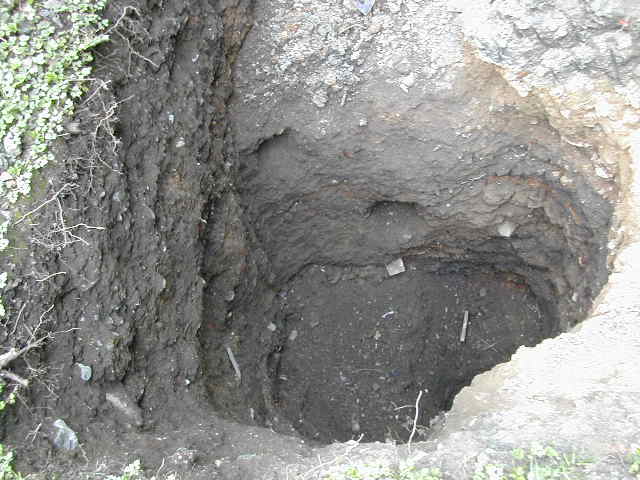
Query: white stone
601,172
506,229
65,438
85,372
395,267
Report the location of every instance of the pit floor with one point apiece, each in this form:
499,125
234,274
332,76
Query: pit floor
360,345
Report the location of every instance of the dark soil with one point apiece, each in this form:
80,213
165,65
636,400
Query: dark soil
271,243
358,345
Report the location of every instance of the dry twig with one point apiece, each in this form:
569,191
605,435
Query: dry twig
52,199
415,420
34,340
234,363
465,325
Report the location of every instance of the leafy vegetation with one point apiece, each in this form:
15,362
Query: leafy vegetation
45,52
537,463
133,471
6,457
385,472
634,463
6,469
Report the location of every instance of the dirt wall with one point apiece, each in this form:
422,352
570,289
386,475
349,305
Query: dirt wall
331,141
130,297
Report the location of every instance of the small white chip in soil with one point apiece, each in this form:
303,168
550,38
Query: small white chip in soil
293,335
505,229
395,267
85,372
465,325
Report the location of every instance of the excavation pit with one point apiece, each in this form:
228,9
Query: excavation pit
368,269
238,254
341,171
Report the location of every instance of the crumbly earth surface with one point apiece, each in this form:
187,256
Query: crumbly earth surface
360,346
272,160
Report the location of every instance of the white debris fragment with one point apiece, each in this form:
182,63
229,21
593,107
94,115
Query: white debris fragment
364,6
234,364
85,372
505,229
465,325
293,335
602,173
390,312
65,438
565,181
395,267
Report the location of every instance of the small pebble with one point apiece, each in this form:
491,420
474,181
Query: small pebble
505,229
85,372
65,438
374,28
395,267
364,6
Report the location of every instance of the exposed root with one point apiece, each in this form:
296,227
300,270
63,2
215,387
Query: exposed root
35,339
